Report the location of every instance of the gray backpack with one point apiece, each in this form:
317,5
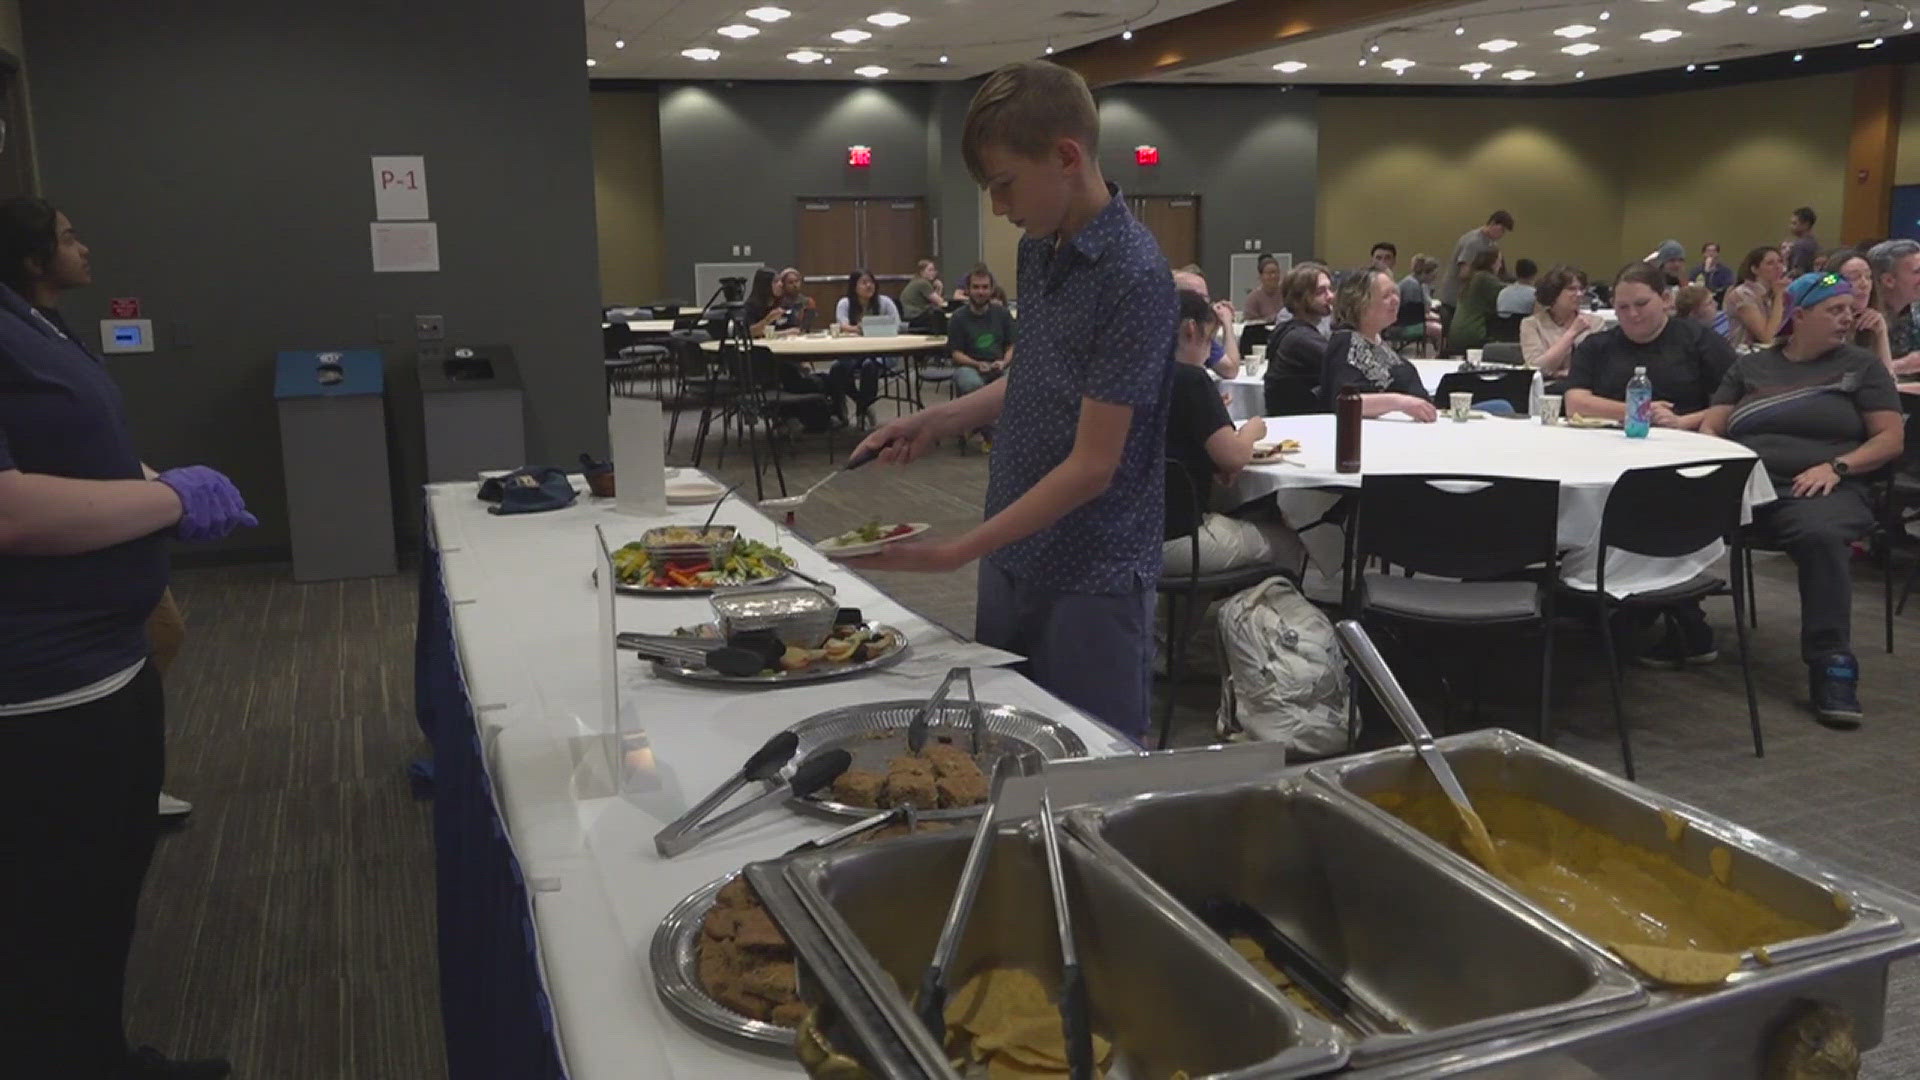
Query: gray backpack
1285,677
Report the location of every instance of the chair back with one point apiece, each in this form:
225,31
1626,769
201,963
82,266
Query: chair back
1513,387
1503,352
1666,511
1412,313
1292,397
1457,525
1181,492
1504,328
1254,336
614,336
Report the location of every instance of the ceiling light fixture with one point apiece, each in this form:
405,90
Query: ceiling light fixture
1577,30
1803,11
620,43
592,62
1459,28
1477,68
889,19
738,31
702,54
851,37
1691,68
1498,45
828,61
803,56
1398,65
1363,61
1127,34
1288,67
1579,74
1049,46
1518,75
1710,7
1605,15
1908,12
1375,47
871,71
1711,67
1660,37
1874,44
1865,14
768,14
943,58
1753,9
1797,57
1581,48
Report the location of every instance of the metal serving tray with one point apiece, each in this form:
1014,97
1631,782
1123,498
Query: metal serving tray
1170,998
1366,906
674,955
821,672
1782,878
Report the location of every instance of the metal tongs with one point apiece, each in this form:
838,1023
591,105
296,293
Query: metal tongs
906,813
1074,1021
1361,651
932,1002
917,728
767,767
706,652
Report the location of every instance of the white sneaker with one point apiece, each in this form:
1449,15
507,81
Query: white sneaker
173,808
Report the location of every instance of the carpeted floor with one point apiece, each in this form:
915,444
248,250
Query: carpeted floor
290,924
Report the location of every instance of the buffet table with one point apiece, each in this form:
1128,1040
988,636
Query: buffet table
550,887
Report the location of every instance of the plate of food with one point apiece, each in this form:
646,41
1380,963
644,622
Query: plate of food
1275,451
641,571
946,779
852,647
869,538
1590,422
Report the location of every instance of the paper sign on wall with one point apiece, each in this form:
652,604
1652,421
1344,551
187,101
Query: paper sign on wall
400,188
405,247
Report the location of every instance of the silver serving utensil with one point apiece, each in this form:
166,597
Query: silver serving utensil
1360,649
905,812
917,727
1074,1019
932,1002
788,502
762,766
718,655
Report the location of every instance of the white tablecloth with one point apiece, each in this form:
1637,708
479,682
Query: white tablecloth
1247,394
527,632
1586,462
828,348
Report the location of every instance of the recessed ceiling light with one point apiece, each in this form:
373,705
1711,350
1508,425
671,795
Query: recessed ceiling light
1498,45
1803,11
1753,9
620,43
1605,15
768,14
1710,7
1577,30
1874,44
1581,48
1398,65
1459,29
591,62
1660,37
738,31
803,56
889,18
701,54
1579,74
828,61
1711,67
1518,74
943,58
871,71
1797,57
1288,67
851,37
1691,68
1476,68
1865,14
1127,34
1049,48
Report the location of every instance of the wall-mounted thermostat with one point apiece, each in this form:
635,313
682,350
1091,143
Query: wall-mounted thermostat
126,335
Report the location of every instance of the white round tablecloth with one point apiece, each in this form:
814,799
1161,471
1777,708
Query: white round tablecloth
1586,463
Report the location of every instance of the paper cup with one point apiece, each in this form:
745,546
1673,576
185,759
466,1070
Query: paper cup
1458,405
1550,409
1474,355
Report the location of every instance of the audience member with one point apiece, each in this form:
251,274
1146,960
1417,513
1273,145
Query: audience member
1670,258
1518,298
1822,414
1263,303
1297,348
858,377
1801,248
1714,274
1416,297
1896,278
779,305
1757,307
1223,357
1383,256
979,335
863,298
1549,336
1201,437
1367,304
1869,326
1459,268
1696,303
924,293
1477,302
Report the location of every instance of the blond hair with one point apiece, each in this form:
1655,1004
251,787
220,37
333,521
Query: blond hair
1025,108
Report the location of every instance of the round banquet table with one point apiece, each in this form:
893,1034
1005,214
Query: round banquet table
1585,462
808,348
1247,394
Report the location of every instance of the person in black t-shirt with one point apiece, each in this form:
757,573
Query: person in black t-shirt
1201,437
1296,347
1684,360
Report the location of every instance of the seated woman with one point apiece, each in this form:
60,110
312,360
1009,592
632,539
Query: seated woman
858,377
1200,436
1366,304
778,306
1821,413
1869,326
1757,308
1264,303
1560,322
1478,299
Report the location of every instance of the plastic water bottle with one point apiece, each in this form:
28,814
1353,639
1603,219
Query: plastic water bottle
1639,405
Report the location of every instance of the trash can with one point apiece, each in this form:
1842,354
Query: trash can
333,447
472,399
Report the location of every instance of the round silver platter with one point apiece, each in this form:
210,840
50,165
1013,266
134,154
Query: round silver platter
877,732
674,590
818,673
675,957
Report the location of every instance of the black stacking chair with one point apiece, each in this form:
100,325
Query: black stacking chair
1254,336
1514,387
1662,512
1504,328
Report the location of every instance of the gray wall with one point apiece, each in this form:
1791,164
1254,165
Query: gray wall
1250,153
737,155
214,155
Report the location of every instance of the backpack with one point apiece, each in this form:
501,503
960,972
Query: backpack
1285,675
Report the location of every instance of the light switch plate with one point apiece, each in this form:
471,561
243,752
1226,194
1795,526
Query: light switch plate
429,328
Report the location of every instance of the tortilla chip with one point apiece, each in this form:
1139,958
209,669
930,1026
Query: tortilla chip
996,997
1676,825
1248,948
1721,860
1680,967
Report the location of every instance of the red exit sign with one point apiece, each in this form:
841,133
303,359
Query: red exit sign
860,157
1146,155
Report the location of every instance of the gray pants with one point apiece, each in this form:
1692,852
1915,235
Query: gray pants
1816,533
1093,651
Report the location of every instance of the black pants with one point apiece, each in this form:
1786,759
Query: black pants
856,377
1816,534
77,825
815,416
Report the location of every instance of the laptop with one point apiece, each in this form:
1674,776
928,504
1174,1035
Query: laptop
879,326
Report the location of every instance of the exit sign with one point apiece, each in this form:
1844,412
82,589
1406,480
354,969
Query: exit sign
860,157
1146,155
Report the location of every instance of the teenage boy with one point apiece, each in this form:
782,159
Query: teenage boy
1070,548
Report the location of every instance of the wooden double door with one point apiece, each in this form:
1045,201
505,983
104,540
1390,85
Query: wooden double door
1174,220
885,236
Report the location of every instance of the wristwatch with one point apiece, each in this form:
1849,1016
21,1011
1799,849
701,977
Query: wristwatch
1838,466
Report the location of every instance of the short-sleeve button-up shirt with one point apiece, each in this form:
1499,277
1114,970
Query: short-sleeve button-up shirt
1097,320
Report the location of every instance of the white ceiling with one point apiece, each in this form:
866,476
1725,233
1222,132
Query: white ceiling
1438,52
976,36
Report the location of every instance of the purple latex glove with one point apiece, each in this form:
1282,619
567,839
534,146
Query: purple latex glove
210,506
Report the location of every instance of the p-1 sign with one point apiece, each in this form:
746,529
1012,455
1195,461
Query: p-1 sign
124,307
400,188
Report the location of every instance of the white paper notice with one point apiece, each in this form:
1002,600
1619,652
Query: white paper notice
400,188
405,246
635,430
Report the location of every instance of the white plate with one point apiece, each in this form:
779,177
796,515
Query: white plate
693,492
832,550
